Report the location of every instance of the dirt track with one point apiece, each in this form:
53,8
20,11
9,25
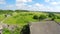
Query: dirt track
47,27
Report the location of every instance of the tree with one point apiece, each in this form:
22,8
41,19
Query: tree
35,17
51,15
42,17
53,19
58,17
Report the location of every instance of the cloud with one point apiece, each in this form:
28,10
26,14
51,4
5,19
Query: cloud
54,3
12,7
47,0
22,5
41,7
28,7
35,7
20,1
2,2
37,4
29,0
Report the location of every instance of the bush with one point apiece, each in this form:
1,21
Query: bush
25,29
58,17
35,17
6,31
51,15
42,17
53,19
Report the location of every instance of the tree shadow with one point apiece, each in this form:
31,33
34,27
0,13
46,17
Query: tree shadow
25,29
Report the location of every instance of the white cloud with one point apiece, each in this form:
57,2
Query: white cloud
37,4
54,3
47,0
35,7
19,1
12,7
29,0
40,7
9,6
2,2
21,4
29,5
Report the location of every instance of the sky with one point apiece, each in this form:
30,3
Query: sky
35,5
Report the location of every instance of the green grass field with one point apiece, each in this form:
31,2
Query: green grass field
21,19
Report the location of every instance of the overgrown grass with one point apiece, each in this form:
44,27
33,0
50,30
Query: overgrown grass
21,19
6,31
57,20
1,17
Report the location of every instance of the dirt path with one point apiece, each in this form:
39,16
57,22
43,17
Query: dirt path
47,27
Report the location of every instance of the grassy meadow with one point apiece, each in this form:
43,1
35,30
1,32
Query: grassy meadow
23,17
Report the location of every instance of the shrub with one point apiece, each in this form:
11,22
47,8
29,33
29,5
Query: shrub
35,17
6,31
51,15
25,29
42,17
58,17
53,19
